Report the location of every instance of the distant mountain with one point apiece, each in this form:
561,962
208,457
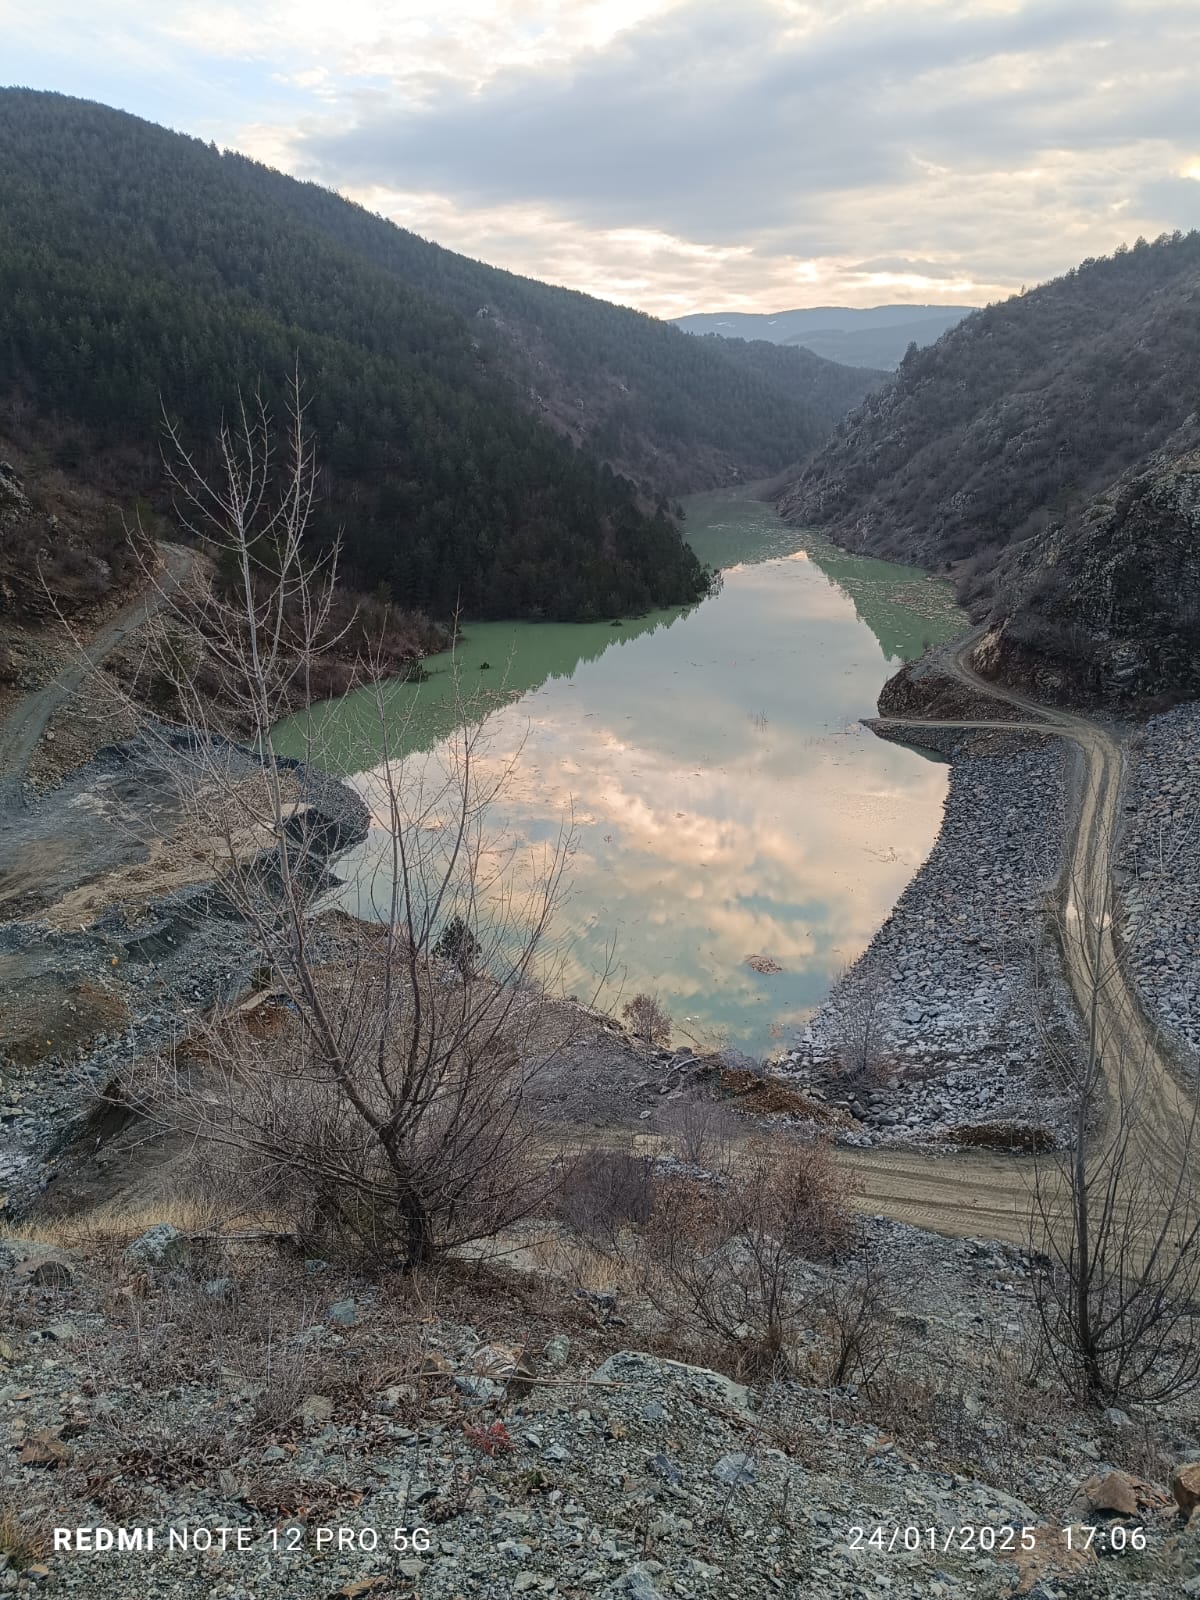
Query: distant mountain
875,336
488,442
1036,451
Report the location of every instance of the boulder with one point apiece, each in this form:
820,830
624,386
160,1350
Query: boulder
633,1369
1112,1494
632,1585
557,1351
315,1410
735,1470
44,1266
1185,1485
160,1246
52,1273
44,1449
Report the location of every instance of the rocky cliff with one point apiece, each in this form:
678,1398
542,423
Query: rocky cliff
1105,605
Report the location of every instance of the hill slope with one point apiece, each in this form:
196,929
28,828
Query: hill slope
140,269
1107,601
871,336
1015,428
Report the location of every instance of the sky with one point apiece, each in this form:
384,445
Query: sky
748,155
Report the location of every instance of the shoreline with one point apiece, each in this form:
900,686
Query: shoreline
948,983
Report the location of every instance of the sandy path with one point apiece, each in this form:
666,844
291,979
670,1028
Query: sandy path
25,724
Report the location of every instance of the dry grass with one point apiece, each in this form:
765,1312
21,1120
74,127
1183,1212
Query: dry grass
582,1263
116,1223
24,1536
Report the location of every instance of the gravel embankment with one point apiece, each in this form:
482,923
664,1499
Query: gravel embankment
947,984
1159,862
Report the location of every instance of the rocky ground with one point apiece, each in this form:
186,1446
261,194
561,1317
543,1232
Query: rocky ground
943,998
526,1445
118,936
1159,867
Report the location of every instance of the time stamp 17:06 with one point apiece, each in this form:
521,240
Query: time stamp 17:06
294,1539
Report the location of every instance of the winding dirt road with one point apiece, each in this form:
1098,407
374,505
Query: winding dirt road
26,723
990,1195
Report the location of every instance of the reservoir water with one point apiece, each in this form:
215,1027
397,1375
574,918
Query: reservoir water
729,813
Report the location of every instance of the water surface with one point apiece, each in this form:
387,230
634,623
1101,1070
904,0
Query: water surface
726,804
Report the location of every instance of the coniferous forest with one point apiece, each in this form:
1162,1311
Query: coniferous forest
488,444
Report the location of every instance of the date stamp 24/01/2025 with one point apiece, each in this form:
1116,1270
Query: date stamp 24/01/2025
990,1538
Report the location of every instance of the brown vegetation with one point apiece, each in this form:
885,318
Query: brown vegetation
648,1020
721,1253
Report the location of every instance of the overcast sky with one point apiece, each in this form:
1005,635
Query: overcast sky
703,155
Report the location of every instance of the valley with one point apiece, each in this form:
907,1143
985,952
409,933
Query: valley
598,914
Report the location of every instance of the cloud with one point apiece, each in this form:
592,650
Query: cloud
1177,199
695,153
715,122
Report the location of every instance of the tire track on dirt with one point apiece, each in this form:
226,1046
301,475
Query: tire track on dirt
979,1194
27,722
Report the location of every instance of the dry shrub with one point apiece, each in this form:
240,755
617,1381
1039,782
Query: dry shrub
699,1131
24,1536
724,1256
648,1020
917,1405
604,1191
854,1319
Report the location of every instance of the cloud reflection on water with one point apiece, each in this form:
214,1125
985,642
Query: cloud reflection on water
726,804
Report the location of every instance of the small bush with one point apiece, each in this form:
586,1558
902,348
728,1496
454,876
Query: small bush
20,1541
605,1191
648,1020
722,1256
700,1131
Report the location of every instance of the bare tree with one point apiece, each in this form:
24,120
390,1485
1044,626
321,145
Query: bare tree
857,1033
377,1094
1116,1217
648,1020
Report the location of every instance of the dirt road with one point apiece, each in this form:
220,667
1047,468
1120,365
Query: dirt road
26,723
990,1195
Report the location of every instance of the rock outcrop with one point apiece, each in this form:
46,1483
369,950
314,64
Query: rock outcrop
1105,604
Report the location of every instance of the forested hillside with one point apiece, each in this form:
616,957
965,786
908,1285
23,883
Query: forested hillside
1018,411
140,269
1035,423
685,414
